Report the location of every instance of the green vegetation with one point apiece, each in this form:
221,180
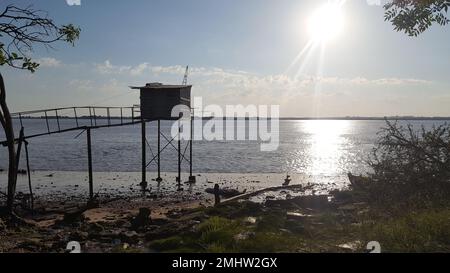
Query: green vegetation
424,231
22,29
234,229
415,16
329,231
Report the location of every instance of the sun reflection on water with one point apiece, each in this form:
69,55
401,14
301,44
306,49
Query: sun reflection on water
326,140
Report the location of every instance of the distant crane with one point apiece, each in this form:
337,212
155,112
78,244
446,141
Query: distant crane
186,74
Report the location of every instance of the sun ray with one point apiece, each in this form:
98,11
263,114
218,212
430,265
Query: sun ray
299,56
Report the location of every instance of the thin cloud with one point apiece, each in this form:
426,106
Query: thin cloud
48,62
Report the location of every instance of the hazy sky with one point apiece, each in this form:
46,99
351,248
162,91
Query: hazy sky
240,52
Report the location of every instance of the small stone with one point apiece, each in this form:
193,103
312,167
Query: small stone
250,220
351,246
142,219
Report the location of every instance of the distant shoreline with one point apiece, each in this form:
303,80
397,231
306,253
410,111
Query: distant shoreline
400,118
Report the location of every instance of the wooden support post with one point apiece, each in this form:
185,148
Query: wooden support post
76,116
144,155
95,117
20,119
19,148
12,190
46,121
29,176
90,116
57,120
108,113
91,178
179,155
191,176
159,179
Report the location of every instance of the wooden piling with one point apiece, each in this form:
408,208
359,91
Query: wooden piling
12,190
159,179
179,154
29,176
144,155
91,178
191,176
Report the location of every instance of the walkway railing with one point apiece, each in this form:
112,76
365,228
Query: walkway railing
82,118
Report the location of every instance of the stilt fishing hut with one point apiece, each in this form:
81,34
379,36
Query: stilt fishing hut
157,102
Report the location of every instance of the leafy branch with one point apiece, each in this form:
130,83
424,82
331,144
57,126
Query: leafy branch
22,28
415,16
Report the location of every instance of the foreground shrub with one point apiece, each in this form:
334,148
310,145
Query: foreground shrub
410,166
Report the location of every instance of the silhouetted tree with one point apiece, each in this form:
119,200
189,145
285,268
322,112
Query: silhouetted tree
415,16
411,165
21,30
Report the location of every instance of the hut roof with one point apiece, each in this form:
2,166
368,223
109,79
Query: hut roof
157,85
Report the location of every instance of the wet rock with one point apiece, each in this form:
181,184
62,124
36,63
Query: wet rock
159,221
95,228
122,223
107,237
72,218
152,196
32,244
130,237
79,236
142,219
161,232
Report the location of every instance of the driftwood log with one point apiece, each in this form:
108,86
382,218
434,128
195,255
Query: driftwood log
258,192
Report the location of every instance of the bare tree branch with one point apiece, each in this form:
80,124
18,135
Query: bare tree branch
21,29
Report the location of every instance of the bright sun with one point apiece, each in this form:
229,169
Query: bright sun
326,22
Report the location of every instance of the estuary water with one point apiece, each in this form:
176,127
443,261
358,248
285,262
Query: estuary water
311,147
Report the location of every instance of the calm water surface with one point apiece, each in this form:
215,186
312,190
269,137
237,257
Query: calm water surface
312,147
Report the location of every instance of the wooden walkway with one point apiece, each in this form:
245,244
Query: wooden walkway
81,118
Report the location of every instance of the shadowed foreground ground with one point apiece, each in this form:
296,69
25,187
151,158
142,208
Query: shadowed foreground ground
338,222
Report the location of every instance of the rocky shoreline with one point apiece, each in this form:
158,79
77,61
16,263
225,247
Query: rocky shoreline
111,226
